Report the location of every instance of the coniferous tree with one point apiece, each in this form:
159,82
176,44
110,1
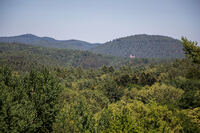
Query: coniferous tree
191,49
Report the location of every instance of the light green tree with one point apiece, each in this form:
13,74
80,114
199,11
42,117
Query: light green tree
137,117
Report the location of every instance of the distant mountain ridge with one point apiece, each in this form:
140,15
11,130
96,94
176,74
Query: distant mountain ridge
142,46
136,46
31,39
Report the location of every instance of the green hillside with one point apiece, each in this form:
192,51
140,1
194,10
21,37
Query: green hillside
142,46
46,94
25,57
100,66
31,39
21,55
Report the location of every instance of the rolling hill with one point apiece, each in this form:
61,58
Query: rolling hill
139,46
48,42
23,57
142,46
26,56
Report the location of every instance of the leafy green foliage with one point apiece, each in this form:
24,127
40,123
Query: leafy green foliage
16,111
43,91
137,117
191,49
162,94
77,118
158,97
112,91
28,104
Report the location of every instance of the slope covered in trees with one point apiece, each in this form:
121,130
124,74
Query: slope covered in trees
25,57
156,98
142,46
20,55
48,42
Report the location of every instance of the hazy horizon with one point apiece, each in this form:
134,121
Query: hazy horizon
100,21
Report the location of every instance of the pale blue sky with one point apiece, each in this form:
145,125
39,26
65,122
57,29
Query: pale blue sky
100,20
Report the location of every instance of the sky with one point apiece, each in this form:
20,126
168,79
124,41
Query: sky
100,20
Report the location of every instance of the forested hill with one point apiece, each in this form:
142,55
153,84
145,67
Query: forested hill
162,98
24,57
48,42
142,46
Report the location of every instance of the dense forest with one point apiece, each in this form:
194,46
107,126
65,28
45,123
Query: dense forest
23,57
62,95
142,46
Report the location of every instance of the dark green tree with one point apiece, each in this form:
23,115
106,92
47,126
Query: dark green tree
191,49
43,91
112,90
16,111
